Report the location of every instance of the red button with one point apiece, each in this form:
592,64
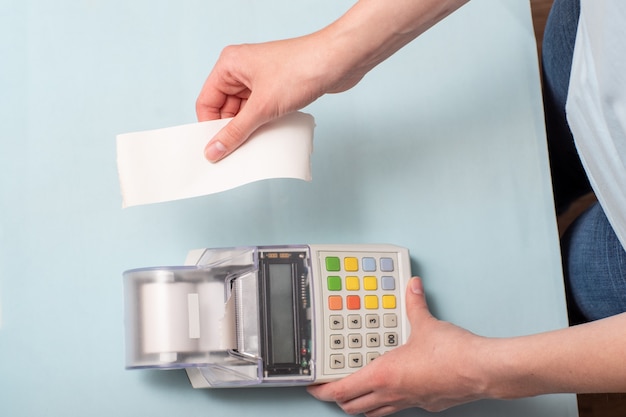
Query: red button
353,302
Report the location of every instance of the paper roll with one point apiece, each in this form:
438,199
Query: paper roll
167,318
169,164
186,318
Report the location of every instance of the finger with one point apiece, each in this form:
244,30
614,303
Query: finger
318,391
204,113
210,102
219,96
416,306
331,392
232,106
344,390
231,136
382,411
374,403
220,105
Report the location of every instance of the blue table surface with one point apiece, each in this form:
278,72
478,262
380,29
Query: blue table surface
440,149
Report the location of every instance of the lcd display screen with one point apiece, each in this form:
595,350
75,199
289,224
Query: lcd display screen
281,308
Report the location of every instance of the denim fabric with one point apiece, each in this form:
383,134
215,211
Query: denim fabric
594,263
569,180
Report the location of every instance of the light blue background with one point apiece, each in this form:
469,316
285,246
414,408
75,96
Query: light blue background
440,149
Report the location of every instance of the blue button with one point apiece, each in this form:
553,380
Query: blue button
369,264
388,283
386,264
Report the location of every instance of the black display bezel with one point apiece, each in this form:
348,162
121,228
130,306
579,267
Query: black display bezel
296,306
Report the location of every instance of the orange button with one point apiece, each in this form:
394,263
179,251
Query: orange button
353,302
335,302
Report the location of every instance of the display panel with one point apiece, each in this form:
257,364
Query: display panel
281,311
284,300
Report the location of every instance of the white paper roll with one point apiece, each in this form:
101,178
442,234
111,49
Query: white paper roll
169,164
165,317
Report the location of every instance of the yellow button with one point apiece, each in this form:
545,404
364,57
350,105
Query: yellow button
352,283
351,264
370,283
371,302
389,301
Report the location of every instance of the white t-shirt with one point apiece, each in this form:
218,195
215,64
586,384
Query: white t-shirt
596,104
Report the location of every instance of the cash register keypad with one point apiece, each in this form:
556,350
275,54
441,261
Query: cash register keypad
361,295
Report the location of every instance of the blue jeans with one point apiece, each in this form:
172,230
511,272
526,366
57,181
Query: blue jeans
594,264
594,261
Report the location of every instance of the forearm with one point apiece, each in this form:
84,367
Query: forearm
373,30
255,83
581,359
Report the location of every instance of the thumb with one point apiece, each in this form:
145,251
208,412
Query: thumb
416,306
233,135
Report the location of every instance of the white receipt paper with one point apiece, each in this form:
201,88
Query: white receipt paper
168,164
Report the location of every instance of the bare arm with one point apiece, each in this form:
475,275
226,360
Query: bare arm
443,365
582,359
259,82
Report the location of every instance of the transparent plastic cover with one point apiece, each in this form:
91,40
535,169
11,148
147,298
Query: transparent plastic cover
239,316
186,317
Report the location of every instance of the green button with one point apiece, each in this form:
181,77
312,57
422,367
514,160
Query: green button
333,263
334,283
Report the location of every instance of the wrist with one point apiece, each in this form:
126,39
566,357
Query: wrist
508,370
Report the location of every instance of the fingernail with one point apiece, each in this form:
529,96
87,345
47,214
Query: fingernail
416,286
214,151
